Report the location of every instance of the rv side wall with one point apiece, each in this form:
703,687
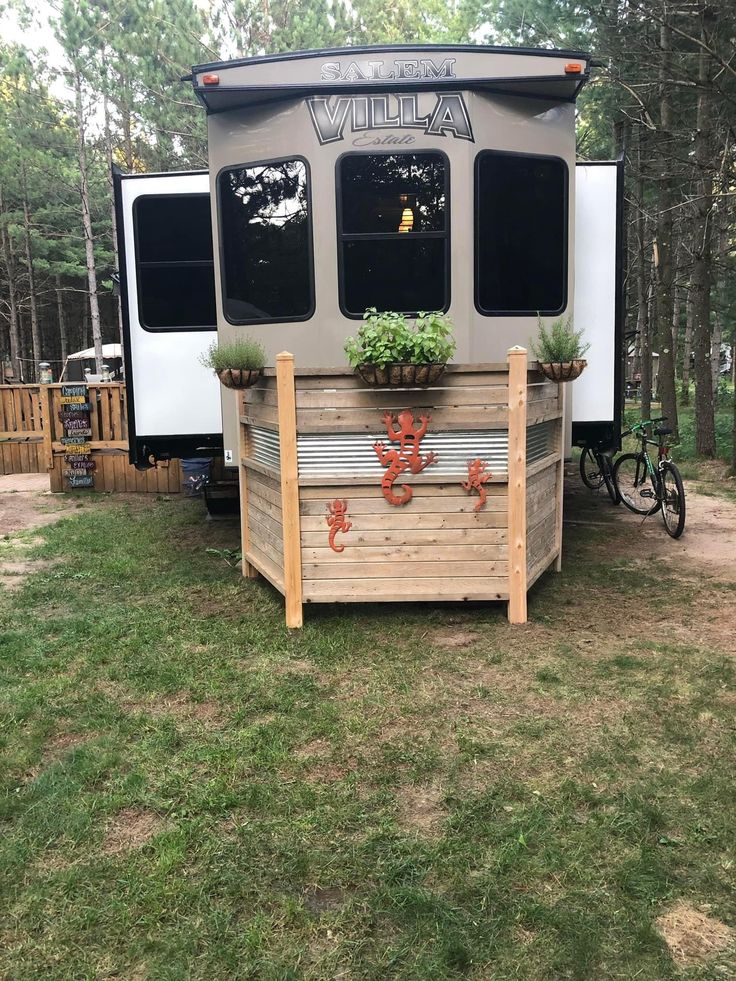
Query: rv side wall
321,133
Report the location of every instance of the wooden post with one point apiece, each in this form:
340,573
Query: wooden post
517,484
560,488
249,571
45,402
289,488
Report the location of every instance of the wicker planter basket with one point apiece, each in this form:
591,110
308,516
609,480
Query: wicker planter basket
562,371
239,377
398,375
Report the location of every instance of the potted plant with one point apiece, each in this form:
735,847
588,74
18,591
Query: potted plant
390,351
559,350
238,364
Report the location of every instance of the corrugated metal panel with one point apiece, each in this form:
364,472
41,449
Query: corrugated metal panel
352,454
264,446
539,441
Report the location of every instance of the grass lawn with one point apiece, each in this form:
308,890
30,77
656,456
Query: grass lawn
400,791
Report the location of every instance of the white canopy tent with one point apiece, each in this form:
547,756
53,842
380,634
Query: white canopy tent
110,353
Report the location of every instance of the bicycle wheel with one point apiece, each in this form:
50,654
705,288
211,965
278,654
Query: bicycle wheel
590,472
635,487
673,500
608,479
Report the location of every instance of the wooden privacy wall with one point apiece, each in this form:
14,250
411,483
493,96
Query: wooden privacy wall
22,448
31,431
309,442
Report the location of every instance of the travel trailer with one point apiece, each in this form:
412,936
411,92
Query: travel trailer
399,177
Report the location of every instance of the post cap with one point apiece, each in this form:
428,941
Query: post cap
516,349
285,356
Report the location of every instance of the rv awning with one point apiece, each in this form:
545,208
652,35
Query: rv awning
539,73
108,351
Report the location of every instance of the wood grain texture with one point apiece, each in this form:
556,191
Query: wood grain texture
517,586
289,488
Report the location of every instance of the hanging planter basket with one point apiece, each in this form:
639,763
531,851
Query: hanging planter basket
563,371
400,375
239,377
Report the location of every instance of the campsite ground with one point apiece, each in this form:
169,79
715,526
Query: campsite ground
396,791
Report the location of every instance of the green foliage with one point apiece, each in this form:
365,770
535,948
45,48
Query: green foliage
558,343
388,337
242,354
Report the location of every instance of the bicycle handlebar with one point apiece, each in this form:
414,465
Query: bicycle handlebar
645,423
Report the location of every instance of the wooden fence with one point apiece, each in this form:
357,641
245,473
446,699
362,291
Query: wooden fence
31,431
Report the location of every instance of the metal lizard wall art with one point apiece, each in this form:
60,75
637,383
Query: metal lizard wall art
338,510
477,477
406,457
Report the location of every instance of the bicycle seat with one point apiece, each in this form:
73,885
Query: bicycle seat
662,431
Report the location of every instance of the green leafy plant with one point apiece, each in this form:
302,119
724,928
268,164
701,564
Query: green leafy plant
243,354
388,338
559,343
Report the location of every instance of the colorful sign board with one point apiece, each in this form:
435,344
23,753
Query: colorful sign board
75,418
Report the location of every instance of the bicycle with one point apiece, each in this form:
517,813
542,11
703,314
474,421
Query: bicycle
644,488
596,469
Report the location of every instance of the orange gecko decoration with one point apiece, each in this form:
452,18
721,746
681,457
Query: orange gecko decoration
338,511
477,477
406,457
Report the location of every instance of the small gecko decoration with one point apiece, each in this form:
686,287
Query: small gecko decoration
477,477
406,457
336,521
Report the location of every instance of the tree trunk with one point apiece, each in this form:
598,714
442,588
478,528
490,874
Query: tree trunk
113,221
705,427
687,349
10,280
63,340
35,332
89,244
721,294
642,290
663,252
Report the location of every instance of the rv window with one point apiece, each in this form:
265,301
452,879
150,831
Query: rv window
394,228
520,234
265,228
174,264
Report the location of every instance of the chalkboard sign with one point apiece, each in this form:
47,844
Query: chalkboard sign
76,421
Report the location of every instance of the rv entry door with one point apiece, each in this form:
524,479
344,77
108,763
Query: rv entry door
168,299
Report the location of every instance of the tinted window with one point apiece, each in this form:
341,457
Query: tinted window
393,226
175,269
521,234
266,242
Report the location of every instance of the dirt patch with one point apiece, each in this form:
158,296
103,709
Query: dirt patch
26,502
56,748
130,829
177,705
322,899
420,808
453,638
13,573
692,936
316,749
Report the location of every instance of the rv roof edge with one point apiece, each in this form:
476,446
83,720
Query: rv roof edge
388,48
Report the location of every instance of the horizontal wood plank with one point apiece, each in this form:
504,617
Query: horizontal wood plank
409,569
444,419
404,590
401,552
425,521
456,537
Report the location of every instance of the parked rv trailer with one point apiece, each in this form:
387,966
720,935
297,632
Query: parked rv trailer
398,177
